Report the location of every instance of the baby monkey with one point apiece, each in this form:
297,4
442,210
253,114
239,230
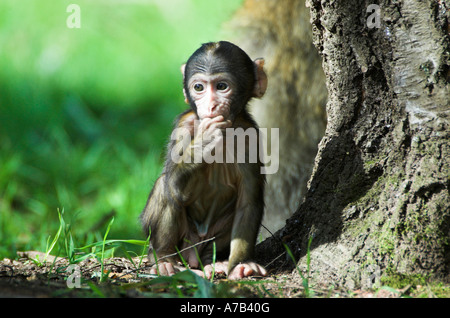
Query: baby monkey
219,202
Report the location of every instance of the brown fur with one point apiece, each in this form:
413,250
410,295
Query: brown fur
194,202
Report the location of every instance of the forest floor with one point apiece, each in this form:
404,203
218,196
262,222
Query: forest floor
28,277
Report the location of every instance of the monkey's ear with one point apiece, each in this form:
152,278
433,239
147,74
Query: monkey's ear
182,69
186,100
261,79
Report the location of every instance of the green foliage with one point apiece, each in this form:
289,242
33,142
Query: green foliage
182,284
85,113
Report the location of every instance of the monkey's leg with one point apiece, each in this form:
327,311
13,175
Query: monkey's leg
166,224
247,220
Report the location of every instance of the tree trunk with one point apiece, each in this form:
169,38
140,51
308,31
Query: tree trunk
377,205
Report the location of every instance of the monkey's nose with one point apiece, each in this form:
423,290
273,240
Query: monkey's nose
212,111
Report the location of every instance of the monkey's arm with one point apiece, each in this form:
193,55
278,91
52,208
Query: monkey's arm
185,154
180,163
164,213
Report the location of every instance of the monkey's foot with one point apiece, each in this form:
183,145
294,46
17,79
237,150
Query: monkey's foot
165,269
217,268
238,272
168,269
247,269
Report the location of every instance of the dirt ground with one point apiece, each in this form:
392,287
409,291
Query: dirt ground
28,277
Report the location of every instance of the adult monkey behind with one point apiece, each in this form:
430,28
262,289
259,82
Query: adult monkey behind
194,201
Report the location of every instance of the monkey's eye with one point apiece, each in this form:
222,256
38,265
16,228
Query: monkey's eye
198,87
222,86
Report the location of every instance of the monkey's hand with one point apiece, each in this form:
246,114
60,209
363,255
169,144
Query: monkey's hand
210,132
209,126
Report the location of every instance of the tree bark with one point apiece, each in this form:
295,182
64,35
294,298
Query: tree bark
377,204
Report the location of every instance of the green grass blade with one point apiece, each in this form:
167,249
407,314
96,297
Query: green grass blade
103,275
58,234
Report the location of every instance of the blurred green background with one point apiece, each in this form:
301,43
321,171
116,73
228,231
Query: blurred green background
85,113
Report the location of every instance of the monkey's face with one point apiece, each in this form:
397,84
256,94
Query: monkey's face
212,94
220,78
